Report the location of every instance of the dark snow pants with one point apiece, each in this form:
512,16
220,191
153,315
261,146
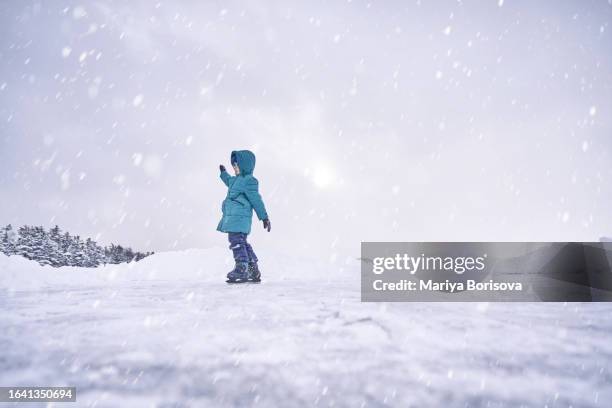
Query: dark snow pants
243,252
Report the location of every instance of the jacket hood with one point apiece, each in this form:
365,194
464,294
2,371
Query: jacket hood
245,160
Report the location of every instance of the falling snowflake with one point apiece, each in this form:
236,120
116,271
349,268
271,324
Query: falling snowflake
137,100
92,91
565,217
119,179
137,159
65,180
78,13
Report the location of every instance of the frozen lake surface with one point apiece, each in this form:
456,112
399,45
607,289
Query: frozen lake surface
168,332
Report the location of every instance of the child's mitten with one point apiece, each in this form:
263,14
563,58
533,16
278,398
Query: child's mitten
267,224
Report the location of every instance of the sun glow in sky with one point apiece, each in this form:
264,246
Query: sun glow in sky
323,176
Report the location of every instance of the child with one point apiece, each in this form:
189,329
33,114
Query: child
242,197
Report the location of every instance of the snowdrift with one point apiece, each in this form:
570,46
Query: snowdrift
202,265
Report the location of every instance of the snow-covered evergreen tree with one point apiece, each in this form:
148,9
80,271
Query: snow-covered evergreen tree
9,238
39,245
94,255
6,244
114,254
56,257
24,242
3,241
64,248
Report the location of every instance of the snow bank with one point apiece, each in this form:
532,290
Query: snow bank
210,264
18,273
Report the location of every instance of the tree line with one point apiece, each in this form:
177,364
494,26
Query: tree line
58,248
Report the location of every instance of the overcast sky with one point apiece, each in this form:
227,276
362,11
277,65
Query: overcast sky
446,120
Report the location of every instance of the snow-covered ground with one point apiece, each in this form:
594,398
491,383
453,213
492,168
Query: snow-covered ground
168,331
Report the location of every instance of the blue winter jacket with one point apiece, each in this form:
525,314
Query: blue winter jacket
242,196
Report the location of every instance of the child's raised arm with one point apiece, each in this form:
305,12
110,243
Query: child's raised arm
224,175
